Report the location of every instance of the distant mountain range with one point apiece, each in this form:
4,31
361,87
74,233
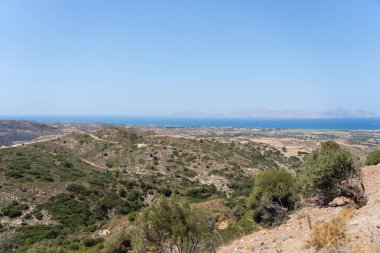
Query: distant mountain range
268,113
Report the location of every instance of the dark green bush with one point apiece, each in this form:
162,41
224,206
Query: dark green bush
110,163
108,202
171,221
373,158
68,211
273,195
165,191
122,193
202,192
133,195
275,185
14,209
90,242
78,189
38,215
330,172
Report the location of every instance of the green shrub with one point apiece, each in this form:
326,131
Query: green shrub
165,191
35,165
74,246
38,215
26,236
122,193
90,242
373,158
171,221
330,172
202,192
14,209
273,195
241,185
108,202
110,163
275,185
78,189
133,195
68,211
46,246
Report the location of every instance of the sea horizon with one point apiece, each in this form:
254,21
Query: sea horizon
372,124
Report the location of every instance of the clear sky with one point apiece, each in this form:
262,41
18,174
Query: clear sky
108,57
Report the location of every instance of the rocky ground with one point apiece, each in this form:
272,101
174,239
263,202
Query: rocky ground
363,226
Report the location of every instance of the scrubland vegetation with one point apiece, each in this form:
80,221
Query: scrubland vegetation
160,189
373,158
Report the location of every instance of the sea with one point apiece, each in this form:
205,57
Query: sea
372,124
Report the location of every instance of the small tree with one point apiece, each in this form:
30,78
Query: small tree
171,225
373,158
330,172
272,196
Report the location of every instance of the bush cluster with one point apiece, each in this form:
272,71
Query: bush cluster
172,222
328,172
373,158
14,210
202,192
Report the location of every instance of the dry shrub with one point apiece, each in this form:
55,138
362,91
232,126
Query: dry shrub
347,212
332,236
329,233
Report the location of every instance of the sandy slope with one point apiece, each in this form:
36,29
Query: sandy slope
363,226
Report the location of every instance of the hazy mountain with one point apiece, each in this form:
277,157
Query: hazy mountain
268,113
196,114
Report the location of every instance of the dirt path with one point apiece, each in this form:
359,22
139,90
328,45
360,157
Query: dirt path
99,139
93,164
290,237
29,143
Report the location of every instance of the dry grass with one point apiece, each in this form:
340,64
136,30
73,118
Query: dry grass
332,236
330,233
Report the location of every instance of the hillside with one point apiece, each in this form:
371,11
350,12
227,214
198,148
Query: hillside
75,191
81,187
363,226
18,130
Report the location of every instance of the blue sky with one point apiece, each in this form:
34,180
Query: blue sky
98,57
